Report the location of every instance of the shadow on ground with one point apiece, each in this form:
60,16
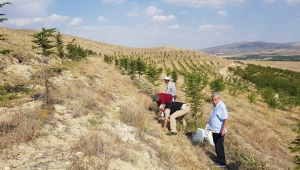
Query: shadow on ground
230,166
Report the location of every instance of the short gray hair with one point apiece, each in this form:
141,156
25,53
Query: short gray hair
216,94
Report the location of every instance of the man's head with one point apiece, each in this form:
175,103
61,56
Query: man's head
155,98
167,79
216,97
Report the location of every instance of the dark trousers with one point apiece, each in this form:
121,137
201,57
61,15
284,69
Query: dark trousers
219,148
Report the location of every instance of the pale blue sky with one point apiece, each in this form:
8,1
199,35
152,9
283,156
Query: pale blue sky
192,24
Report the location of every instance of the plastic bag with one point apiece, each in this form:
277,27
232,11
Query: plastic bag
208,136
199,135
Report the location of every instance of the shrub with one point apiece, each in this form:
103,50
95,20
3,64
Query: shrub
268,94
217,85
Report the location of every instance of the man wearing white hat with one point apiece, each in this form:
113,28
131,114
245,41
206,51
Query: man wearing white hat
171,88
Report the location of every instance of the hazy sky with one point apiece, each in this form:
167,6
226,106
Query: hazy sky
192,24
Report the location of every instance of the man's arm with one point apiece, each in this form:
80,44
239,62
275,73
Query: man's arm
165,122
159,113
224,128
167,114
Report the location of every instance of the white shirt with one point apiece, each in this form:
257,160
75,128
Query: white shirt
171,89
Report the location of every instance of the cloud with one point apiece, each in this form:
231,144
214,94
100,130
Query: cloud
149,11
291,2
76,21
101,19
268,1
174,27
209,27
19,21
203,3
164,18
222,13
114,1
27,8
152,10
54,18
38,19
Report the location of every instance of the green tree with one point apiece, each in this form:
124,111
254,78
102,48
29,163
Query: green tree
152,74
107,59
286,100
75,52
268,94
59,45
168,71
141,67
1,5
116,63
194,83
5,51
132,68
124,63
217,85
174,75
44,41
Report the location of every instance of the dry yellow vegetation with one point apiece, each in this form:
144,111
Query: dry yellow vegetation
101,119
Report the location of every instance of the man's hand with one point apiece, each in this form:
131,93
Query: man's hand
223,132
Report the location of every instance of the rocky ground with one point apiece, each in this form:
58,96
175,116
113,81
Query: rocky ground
62,141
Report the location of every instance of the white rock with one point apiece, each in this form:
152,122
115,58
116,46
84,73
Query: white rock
79,154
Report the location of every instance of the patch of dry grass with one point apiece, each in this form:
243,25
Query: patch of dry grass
20,126
91,145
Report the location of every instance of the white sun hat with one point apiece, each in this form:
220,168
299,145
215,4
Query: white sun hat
167,78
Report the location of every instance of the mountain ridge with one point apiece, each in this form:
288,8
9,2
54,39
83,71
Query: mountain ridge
254,48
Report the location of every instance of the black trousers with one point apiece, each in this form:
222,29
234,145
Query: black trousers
219,148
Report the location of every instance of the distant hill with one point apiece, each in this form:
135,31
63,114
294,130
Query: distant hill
254,47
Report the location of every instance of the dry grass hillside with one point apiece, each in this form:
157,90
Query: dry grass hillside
101,118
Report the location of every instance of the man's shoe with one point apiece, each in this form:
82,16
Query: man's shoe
219,165
171,133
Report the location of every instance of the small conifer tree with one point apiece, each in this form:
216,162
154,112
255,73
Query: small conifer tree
5,51
44,41
194,83
59,45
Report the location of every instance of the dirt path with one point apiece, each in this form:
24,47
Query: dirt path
223,71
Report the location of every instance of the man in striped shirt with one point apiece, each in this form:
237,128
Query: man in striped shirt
171,88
